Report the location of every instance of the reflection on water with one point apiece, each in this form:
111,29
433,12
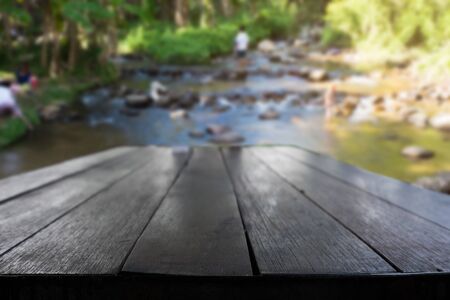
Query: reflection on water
55,143
374,147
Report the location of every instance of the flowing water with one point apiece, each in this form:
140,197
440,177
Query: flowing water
375,147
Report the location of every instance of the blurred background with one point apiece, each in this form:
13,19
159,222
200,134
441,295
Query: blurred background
366,82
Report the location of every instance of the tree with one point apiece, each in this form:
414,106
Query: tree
181,12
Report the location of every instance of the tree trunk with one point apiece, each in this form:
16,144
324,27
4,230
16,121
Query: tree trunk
55,63
164,9
46,31
207,13
227,8
72,32
181,11
7,34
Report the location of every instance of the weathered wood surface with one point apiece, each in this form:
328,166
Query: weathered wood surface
21,218
409,242
289,233
19,184
430,205
96,237
235,213
198,229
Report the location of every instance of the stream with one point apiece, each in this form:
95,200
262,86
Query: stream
375,147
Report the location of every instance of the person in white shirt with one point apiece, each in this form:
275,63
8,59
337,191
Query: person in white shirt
241,43
8,104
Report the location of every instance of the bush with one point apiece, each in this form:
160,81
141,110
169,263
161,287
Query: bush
394,25
13,129
332,37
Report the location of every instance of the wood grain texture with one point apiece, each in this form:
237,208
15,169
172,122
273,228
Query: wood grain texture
96,237
198,229
19,184
22,217
428,204
411,243
289,234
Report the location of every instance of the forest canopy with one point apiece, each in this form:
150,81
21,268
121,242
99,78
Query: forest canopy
61,36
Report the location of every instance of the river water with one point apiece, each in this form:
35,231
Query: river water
375,147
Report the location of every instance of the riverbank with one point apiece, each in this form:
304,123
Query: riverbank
55,100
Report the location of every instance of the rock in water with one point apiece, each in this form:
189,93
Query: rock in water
439,183
229,137
216,129
188,100
318,75
270,114
197,134
418,119
52,112
441,122
137,101
179,114
266,46
416,153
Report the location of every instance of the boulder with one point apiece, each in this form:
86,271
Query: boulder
270,114
229,137
318,75
52,112
241,75
129,112
179,114
208,100
296,102
197,134
250,99
441,122
74,116
299,43
406,112
221,108
138,101
417,153
123,91
188,100
217,129
439,183
418,119
348,106
297,53
266,46
275,58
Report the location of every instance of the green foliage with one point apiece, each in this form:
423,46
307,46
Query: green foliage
84,12
333,37
10,8
13,129
197,45
392,26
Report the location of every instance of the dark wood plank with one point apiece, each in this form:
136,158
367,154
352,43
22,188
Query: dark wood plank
428,204
411,243
19,184
96,237
198,229
27,214
289,234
